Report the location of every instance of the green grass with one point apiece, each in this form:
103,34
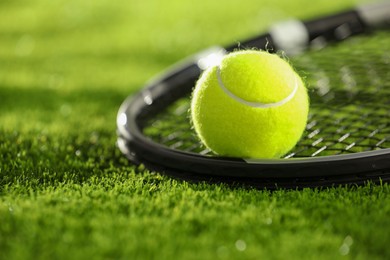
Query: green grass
67,192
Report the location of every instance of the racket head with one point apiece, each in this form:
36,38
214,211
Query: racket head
347,138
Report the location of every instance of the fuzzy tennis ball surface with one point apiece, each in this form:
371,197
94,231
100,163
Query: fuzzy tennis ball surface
253,105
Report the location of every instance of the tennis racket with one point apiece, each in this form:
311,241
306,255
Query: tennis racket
345,60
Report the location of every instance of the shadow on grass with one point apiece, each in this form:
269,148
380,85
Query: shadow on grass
80,149
50,100
36,158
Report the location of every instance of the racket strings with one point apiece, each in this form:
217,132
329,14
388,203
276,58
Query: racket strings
350,103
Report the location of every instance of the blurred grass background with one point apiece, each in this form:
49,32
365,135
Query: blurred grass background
67,192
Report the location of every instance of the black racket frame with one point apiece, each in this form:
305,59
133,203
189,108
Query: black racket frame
356,168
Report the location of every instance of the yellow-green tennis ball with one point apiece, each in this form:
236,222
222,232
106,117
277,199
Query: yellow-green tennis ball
253,105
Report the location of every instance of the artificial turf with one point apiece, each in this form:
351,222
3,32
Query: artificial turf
66,192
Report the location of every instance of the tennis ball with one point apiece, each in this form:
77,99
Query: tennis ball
253,105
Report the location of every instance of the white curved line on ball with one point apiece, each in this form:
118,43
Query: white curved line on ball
256,104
